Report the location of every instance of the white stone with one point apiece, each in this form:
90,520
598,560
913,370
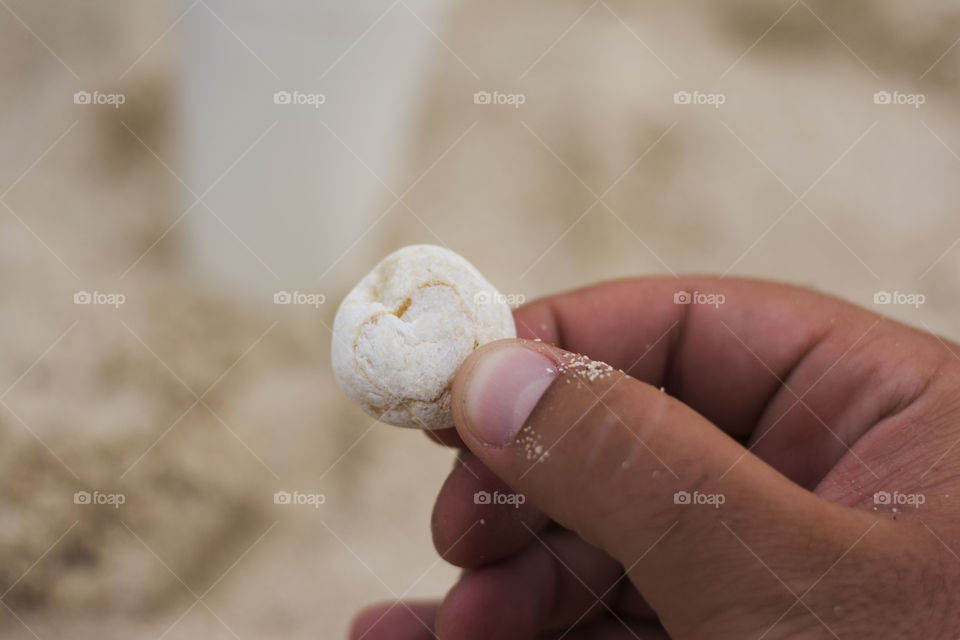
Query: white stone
401,333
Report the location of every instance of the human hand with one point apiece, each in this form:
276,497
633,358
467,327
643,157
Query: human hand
784,413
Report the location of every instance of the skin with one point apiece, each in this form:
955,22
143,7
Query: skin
794,406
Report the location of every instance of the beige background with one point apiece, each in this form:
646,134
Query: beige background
96,398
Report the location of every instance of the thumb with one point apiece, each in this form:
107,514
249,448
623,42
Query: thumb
681,505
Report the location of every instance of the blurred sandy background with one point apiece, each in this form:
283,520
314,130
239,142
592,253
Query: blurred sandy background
198,398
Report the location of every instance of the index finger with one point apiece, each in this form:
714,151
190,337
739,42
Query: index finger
731,348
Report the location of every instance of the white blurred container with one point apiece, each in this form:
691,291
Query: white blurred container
299,198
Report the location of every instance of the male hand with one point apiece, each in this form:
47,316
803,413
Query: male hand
797,477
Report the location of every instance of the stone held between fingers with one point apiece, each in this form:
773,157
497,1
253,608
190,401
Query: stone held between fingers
401,334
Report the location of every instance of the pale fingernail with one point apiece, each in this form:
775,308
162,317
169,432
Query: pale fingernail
502,390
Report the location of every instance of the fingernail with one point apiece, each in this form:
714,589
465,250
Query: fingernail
502,390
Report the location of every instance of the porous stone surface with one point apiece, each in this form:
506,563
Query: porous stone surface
401,333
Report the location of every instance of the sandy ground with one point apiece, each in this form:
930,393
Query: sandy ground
198,405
